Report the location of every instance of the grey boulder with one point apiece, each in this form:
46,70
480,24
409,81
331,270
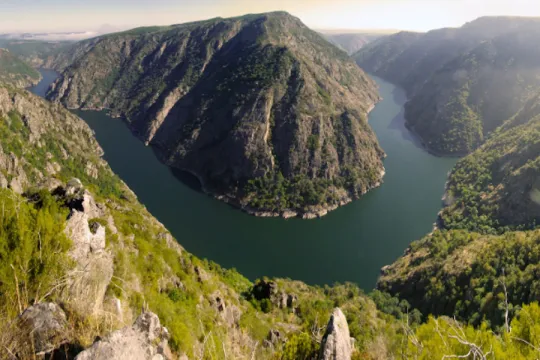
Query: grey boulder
336,343
145,340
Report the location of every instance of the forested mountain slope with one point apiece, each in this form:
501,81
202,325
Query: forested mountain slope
39,53
462,83
15,71
352,42
266,113
81,258
482,261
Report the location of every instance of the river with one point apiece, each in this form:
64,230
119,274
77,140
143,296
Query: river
350,244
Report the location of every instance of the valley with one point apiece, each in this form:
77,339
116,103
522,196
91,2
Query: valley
361,237
131,173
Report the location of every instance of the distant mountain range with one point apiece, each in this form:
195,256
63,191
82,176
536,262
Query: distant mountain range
61,36
351,43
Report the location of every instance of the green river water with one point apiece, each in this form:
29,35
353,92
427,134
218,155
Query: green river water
350,244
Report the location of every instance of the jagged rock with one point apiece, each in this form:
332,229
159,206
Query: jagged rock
95,227
385,269
17,184
65,154
336,343
171,242
3,181
274,336
79,199
74,186
218,302
166,283
230,314
111,225
269,290
9,163
145,340
90,207
46,324
291,300
89,280
265,289
53,168
280,300
94,270
202,276
92,170
84,241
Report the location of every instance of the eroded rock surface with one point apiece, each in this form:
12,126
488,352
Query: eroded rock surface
46,326
93,272
337,342
145,340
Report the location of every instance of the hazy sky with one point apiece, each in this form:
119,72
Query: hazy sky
79,15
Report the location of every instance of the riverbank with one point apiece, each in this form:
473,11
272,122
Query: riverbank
351,243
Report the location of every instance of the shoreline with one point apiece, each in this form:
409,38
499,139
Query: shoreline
232,201
429,150
416,137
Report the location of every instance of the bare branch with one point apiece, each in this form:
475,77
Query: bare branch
506,311
525,342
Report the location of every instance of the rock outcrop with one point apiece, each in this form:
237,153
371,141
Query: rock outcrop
89,280
336,343
145,340
39,142
230,314
46,326
279,298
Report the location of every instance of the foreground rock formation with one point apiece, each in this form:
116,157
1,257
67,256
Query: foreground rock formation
145,340
336,343
45,325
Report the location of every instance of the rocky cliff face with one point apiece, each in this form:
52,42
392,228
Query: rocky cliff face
462,83
265,112
42,143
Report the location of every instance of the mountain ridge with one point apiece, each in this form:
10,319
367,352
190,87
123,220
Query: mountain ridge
268,114
15,71
462,83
